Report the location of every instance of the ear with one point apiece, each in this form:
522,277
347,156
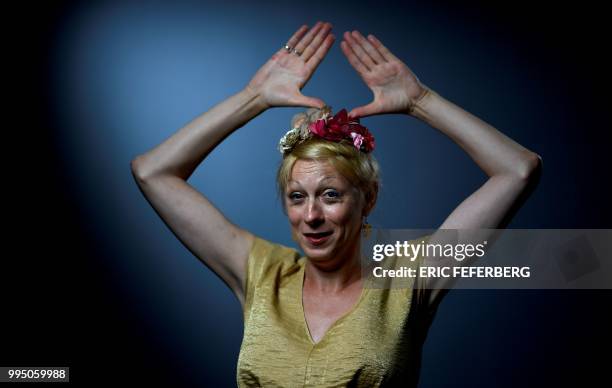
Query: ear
370,201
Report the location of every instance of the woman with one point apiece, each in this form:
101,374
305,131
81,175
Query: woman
311,320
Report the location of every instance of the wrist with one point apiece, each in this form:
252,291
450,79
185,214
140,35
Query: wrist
255,99
418,106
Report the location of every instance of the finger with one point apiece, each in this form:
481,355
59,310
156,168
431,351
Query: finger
359,51
352,58
316,42
301,100
314,61
368,47
295,38
382,49
363,111
305,41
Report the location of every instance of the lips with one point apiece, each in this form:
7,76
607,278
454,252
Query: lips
318,238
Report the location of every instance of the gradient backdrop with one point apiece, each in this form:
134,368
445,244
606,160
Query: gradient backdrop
97,282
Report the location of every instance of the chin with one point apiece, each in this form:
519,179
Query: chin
320,253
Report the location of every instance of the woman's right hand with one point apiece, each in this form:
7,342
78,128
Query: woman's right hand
280,80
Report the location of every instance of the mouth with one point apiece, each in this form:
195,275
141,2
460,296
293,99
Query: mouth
318,238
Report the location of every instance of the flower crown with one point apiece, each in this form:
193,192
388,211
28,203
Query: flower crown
320,123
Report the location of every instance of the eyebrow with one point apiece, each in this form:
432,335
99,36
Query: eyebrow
321,181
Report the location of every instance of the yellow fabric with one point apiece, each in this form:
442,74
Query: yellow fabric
378,343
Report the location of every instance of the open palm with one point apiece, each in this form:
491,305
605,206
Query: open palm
394,85
280,80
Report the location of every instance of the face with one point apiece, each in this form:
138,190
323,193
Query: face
325,212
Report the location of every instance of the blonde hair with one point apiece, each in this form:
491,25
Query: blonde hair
359,168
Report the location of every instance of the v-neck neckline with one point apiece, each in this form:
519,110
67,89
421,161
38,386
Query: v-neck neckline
337,321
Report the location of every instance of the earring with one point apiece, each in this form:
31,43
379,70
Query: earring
366,228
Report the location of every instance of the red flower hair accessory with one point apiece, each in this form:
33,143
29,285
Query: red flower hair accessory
320,123
339,127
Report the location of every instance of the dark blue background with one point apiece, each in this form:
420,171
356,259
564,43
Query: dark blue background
98,283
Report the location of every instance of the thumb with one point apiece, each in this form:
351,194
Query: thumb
363,111
311,102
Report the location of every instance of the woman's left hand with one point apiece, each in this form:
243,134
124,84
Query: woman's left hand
394,85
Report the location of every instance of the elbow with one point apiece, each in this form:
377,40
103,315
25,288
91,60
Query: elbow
531,169
136,166
144,171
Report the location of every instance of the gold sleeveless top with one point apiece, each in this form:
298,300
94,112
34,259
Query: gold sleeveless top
377,343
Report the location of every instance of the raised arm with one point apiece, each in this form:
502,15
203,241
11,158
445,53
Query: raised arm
162,173
512,169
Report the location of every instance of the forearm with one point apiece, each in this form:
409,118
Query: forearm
180,154
493,151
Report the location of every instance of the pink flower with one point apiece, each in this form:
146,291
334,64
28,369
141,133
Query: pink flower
357,140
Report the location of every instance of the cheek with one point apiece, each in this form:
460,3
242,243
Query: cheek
345,216
294,217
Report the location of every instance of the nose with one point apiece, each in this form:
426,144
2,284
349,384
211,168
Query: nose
314,213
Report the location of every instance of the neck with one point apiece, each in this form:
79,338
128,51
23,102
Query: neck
335,275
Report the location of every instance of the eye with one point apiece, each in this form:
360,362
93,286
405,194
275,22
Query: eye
332,194
295,196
